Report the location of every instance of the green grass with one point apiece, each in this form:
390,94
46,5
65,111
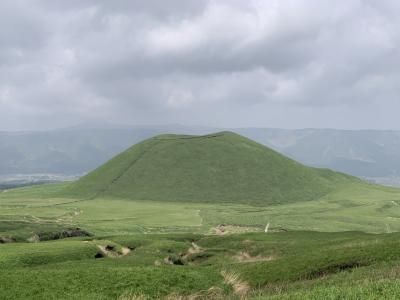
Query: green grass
15,255
26,211
304,264
169,192
219,168
116,216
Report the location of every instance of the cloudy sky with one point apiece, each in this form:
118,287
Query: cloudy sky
267,63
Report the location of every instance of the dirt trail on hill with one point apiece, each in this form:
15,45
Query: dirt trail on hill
195,249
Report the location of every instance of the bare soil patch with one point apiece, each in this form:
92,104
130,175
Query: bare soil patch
111,251
223,229
6,239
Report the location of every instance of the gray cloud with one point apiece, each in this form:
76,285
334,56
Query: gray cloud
218,63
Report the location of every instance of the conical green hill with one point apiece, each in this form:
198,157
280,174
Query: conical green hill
221,167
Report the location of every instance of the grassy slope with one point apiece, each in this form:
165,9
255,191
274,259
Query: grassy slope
224,167
67,270
301,263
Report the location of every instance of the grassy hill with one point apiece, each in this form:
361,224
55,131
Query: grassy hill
173,183
221,167
79,149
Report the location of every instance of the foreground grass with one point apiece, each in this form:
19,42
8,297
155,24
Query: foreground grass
164,262
287,265
378,282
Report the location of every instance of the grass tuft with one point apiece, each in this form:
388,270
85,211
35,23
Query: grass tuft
240,287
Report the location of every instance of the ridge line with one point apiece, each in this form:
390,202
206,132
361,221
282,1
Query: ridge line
208,136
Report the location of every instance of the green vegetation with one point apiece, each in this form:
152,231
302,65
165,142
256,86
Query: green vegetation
28,211
222,167
163,261
263,266
181,217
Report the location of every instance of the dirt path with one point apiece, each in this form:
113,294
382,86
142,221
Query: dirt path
69,216
195,249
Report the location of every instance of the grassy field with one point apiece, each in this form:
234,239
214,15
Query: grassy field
282,265
128,233
26,211
163,263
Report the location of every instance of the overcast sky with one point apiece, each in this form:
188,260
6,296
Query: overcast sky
233,63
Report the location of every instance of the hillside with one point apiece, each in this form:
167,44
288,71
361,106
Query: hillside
221,167
286,265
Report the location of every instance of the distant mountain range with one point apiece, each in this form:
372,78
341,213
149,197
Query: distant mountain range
365,153
80,149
